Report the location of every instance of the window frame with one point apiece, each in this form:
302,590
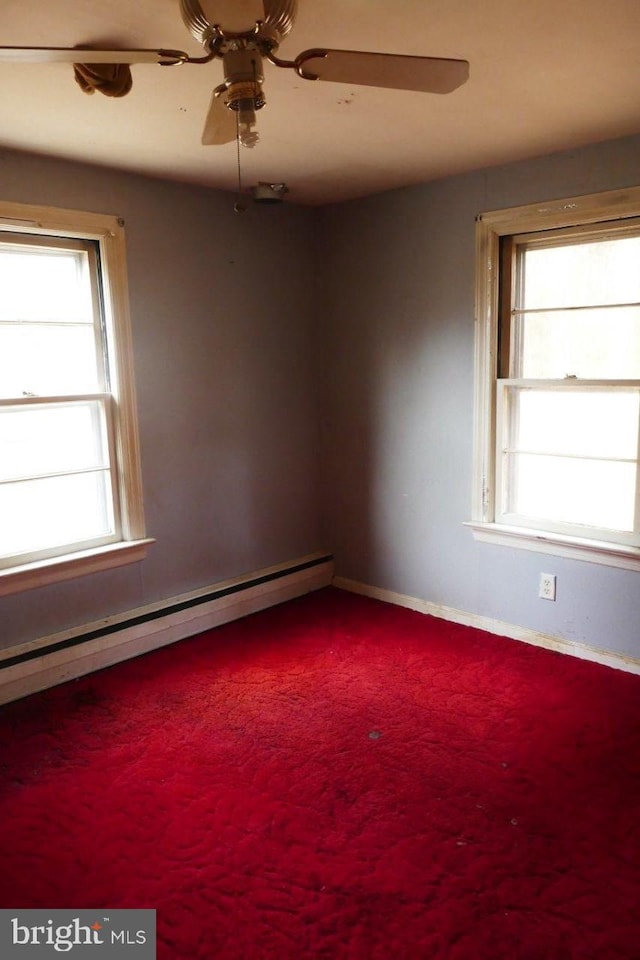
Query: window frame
589,211
108,233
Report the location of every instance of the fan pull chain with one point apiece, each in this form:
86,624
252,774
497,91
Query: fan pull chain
239,206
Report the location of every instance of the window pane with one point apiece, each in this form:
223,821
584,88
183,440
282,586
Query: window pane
42,514
591,344
582,274
44,284
583,423
47,360
53,438
593,492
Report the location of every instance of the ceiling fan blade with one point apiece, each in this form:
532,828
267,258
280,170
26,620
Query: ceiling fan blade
220,125
237,17
87,55
424,74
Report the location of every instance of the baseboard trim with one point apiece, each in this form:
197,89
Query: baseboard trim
524,634
37,665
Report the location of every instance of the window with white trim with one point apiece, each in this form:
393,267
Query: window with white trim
558,378
70,486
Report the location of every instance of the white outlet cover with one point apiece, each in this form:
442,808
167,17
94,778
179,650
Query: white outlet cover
547,588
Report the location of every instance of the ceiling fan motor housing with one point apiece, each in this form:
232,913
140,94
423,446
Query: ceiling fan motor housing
243,77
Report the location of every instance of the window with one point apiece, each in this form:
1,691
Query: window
70,487
558,378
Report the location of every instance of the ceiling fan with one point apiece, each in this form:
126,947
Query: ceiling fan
243,34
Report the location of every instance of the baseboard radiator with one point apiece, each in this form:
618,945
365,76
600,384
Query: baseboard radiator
48,661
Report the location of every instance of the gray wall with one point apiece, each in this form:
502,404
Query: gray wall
224,352
305,381
397,403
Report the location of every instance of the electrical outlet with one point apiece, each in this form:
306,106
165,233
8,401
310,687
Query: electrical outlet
547,588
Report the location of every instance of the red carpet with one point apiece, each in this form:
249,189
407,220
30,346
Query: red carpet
336,778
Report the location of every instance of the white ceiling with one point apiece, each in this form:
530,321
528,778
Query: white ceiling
545,75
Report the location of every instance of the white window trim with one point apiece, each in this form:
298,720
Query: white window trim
108,231
490,227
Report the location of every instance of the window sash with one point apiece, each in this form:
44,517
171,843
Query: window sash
510,319
507,392
88,263
510,312
85,252
104,403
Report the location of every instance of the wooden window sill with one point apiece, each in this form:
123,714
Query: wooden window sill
40,573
